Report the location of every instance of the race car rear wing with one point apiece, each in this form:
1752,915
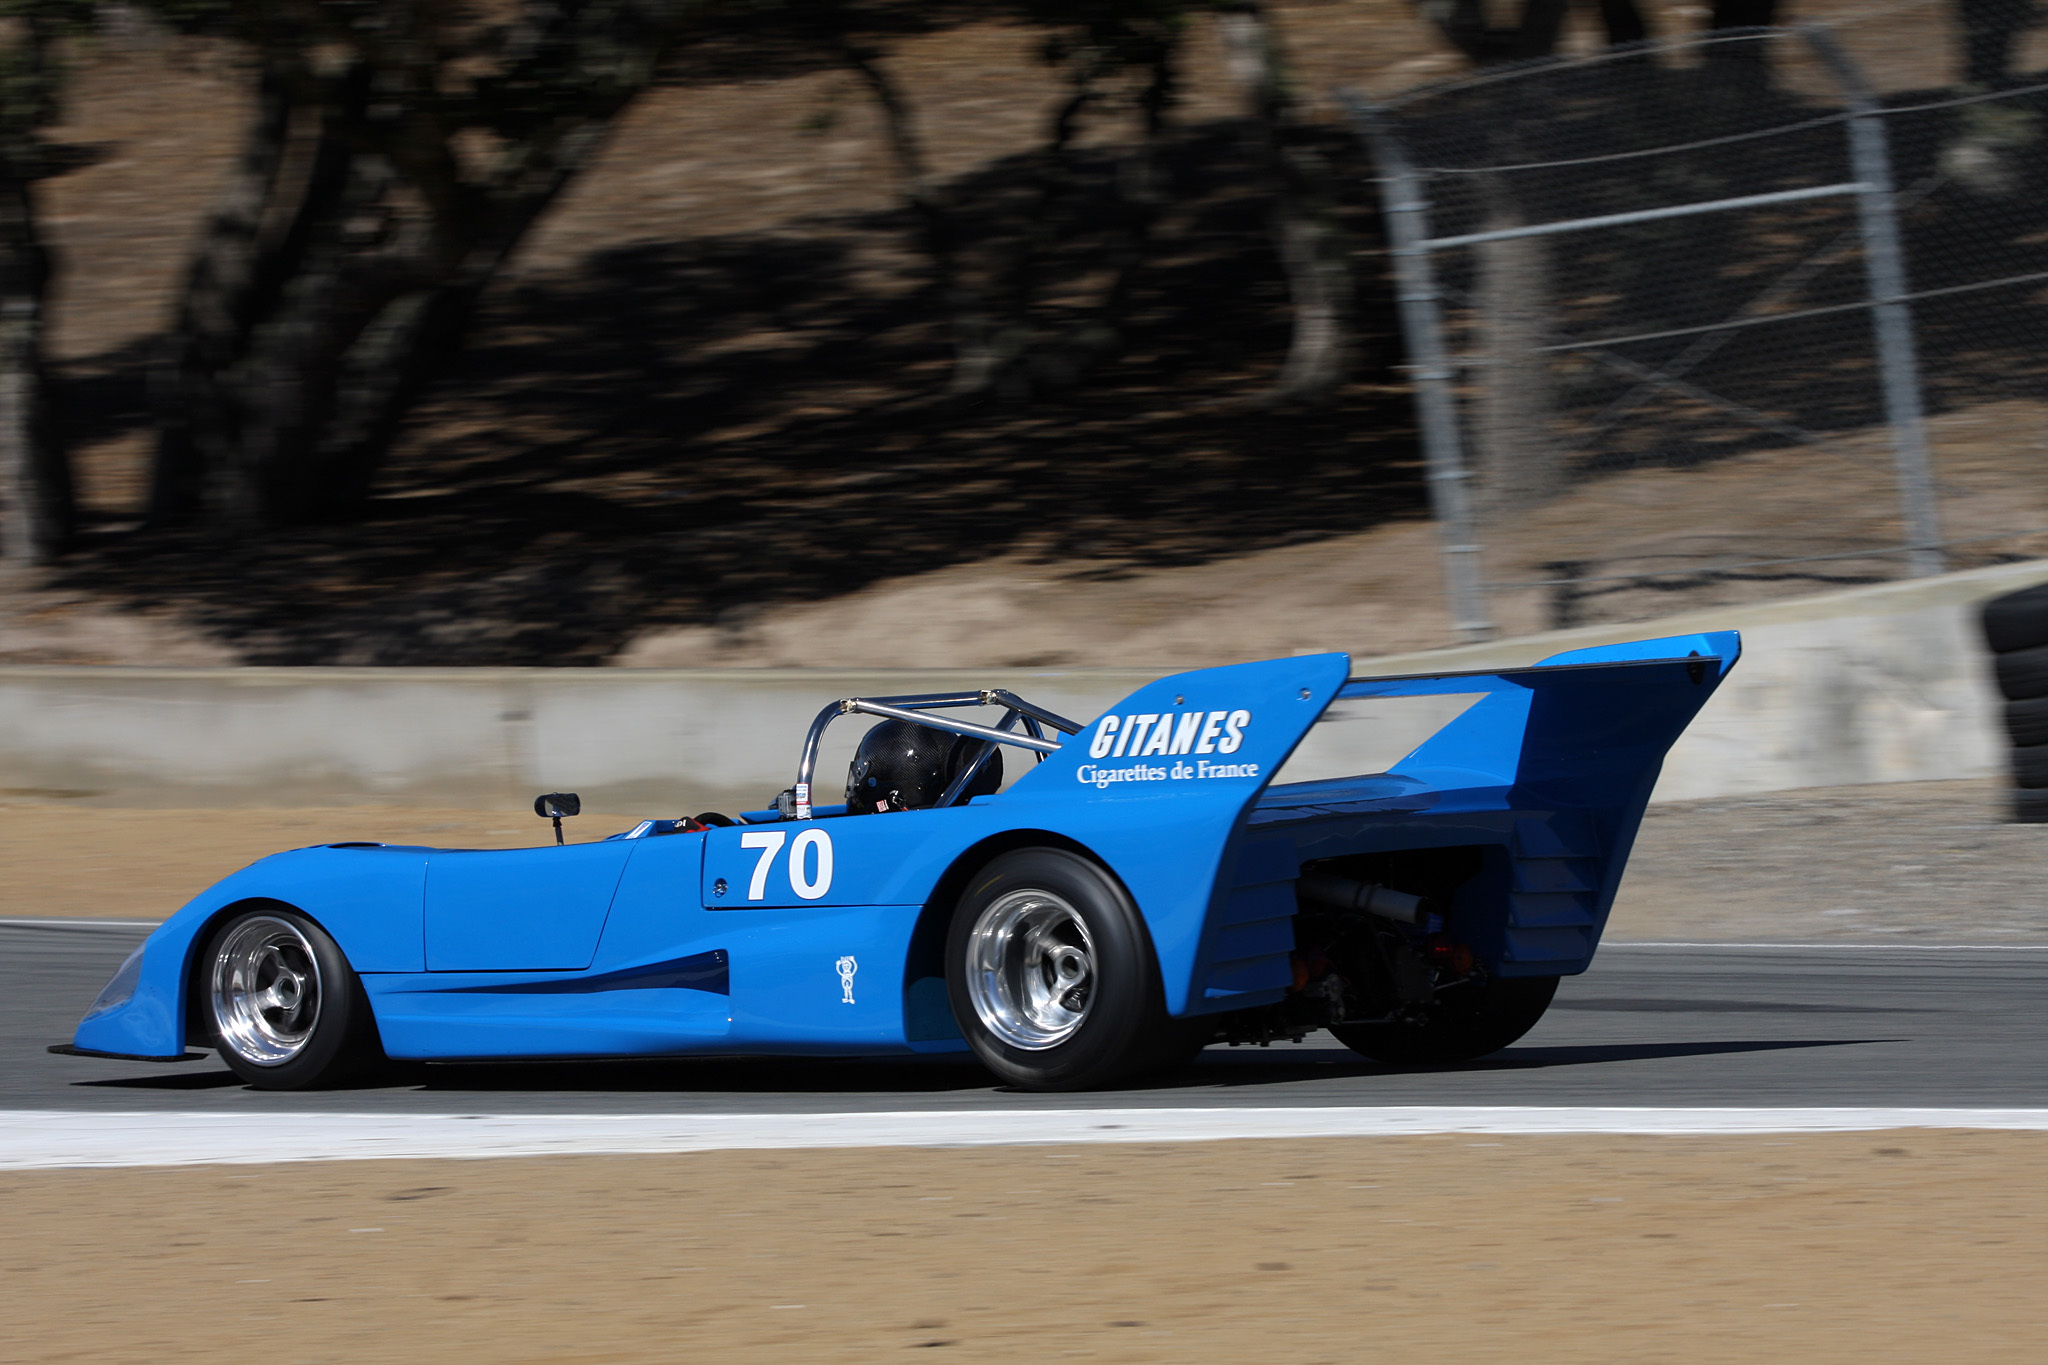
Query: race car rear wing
1544,778
1595,711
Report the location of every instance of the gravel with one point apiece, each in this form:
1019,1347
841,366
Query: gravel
1914,861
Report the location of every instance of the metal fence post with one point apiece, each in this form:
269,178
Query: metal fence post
1450,497
1891,315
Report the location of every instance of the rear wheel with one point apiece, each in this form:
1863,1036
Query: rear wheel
286,1010
1462,1023
1051,975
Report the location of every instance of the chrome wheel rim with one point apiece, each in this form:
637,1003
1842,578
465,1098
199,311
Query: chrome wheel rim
266,990
1030,970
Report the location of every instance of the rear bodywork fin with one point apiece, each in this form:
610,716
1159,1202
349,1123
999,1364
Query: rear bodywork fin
1535,791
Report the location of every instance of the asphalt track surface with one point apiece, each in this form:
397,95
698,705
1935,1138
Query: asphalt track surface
1693,1025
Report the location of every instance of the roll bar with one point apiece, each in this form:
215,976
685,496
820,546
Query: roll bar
918,710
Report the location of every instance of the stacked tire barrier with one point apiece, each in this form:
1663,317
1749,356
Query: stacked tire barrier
2016,628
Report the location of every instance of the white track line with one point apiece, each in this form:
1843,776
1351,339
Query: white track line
49,1139
80,923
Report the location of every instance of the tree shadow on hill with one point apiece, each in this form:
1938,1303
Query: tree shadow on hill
685,431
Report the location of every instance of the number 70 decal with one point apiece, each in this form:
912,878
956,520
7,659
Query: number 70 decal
770,842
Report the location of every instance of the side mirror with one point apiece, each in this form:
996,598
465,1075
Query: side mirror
555,805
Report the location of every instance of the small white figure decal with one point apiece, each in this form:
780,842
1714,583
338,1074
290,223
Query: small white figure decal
847,967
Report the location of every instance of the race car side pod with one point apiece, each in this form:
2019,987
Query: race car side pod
1364,897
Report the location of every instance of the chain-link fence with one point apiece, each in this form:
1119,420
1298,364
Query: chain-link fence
1756,312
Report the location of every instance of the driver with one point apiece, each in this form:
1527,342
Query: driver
901,765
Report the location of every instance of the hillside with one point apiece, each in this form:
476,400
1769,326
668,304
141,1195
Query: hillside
703,421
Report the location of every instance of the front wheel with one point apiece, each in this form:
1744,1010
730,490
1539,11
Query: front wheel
1051,975
1464,1022
286,1010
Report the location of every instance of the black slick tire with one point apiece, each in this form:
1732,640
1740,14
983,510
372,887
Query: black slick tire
2018,620
2030,807
1463,1023
340,1041
2022,674
2026,722
2030,767
1124,1030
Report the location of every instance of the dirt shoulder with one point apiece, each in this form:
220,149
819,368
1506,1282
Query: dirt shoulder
1899,1246
1920,860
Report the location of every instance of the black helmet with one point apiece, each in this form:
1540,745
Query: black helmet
901,765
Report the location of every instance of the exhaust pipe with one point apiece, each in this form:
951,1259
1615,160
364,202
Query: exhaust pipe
1364,897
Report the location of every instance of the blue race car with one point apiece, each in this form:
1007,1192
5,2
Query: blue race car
1145,889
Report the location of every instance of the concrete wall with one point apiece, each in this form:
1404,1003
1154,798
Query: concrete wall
1878,684
625,739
